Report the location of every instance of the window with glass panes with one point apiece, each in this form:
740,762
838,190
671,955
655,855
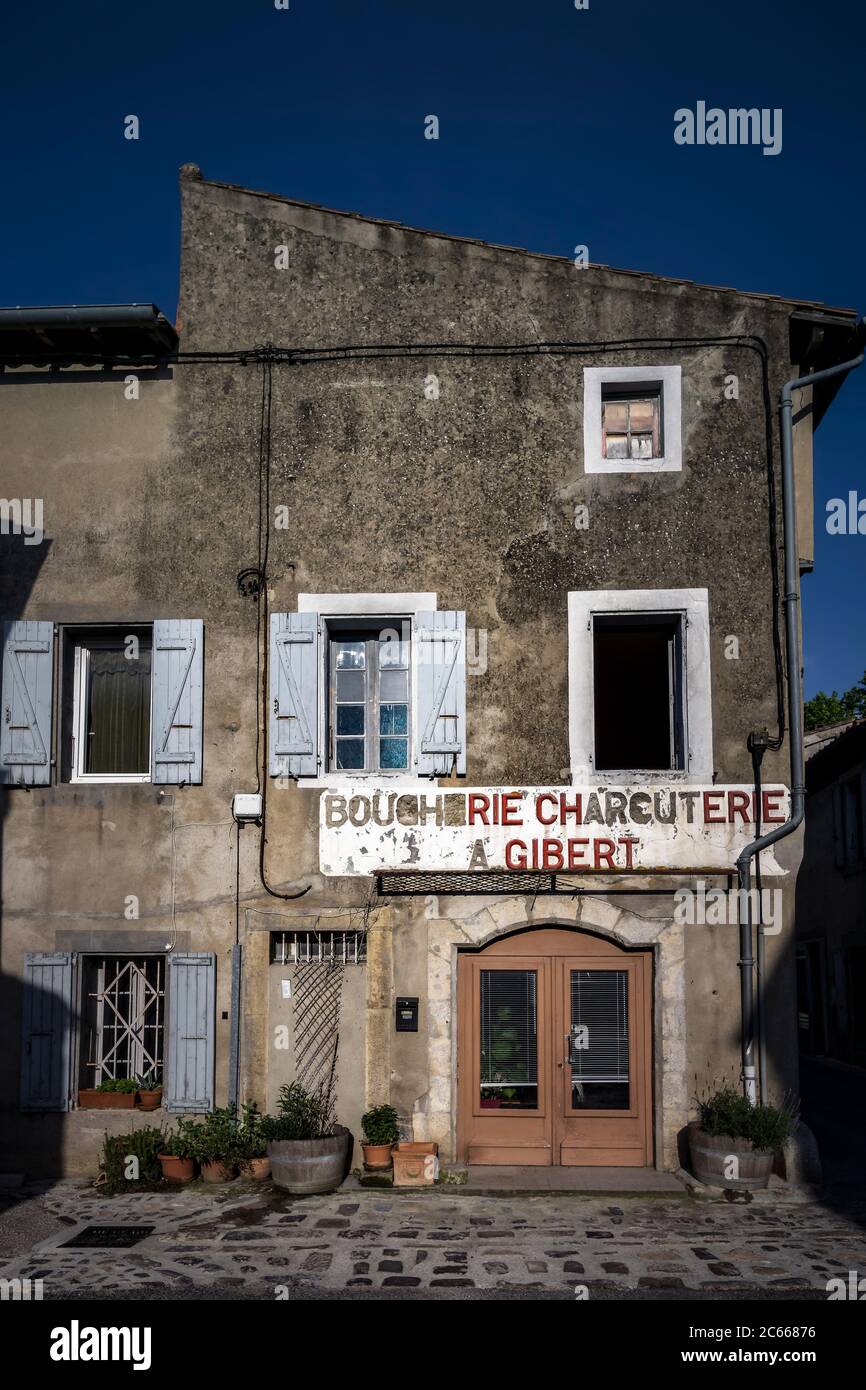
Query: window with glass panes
631,423
368,681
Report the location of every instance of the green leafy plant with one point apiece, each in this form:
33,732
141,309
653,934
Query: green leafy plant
149,1081
144,1145
302,1114
215,1139
118,1085
505,1047
727,1111
380,1125
251,1137
182,1143
824,709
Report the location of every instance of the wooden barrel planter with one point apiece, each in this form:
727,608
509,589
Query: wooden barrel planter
710,1154
305,1166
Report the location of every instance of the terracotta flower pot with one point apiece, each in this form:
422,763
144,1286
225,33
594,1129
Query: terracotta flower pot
257,1169
416,1165
176,1169
106,1100
377,1155
217,1171
150,1100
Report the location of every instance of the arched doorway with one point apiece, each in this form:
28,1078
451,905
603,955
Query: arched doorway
554,1056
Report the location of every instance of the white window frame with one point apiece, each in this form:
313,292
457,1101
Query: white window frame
81,677
333,608
668,382
692,606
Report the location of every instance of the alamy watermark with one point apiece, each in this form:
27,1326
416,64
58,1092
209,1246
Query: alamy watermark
737,126
714,907
22,516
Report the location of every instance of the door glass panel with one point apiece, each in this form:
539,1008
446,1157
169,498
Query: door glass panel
598,1041
509,1040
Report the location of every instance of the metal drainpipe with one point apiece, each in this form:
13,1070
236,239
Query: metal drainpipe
795,718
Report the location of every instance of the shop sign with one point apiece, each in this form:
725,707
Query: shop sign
625,830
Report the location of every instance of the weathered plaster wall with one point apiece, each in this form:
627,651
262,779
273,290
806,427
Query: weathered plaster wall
152,510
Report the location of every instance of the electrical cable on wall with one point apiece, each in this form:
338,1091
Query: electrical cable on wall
268,354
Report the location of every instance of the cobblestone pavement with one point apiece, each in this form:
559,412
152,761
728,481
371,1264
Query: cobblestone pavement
362,1239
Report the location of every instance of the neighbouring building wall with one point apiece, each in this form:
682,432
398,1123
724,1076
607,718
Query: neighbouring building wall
831,899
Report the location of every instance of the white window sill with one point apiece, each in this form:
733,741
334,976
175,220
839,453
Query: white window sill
402,781
107,779
606,465
628,777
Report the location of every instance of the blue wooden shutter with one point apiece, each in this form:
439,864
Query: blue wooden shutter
25,731
178,691
46,1033
439,648
294,695
189,1072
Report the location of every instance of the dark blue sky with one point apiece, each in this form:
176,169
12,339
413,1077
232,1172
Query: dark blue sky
556,129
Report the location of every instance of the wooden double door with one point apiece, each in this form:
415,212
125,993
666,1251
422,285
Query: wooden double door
554,1052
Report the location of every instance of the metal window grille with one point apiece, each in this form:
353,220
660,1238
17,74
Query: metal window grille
123,1017
318,948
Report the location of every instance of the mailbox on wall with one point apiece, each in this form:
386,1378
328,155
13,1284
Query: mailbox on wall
406,1016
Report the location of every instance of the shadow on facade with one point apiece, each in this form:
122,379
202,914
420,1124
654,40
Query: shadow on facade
32,1143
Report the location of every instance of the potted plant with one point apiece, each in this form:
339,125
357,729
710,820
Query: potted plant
308,1152
252,1144
734,1142
149,1090
117,1093
380,1136
178,1154
116,1174
215,1143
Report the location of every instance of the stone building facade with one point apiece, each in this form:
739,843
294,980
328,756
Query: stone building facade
409,516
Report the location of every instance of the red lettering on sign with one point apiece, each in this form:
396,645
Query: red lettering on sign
539,800
605,850
629,841
770,801
570,808
511,814
478,807
551,854
711,800
739,802
515,854
576,856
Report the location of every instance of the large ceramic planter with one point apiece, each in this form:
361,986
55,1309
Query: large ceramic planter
106,1100
176,1169
256,1169
377,1156
150,1100
711,1154
217,1171
310,1165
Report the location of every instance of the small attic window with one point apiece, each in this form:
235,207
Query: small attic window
631,423
632,419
